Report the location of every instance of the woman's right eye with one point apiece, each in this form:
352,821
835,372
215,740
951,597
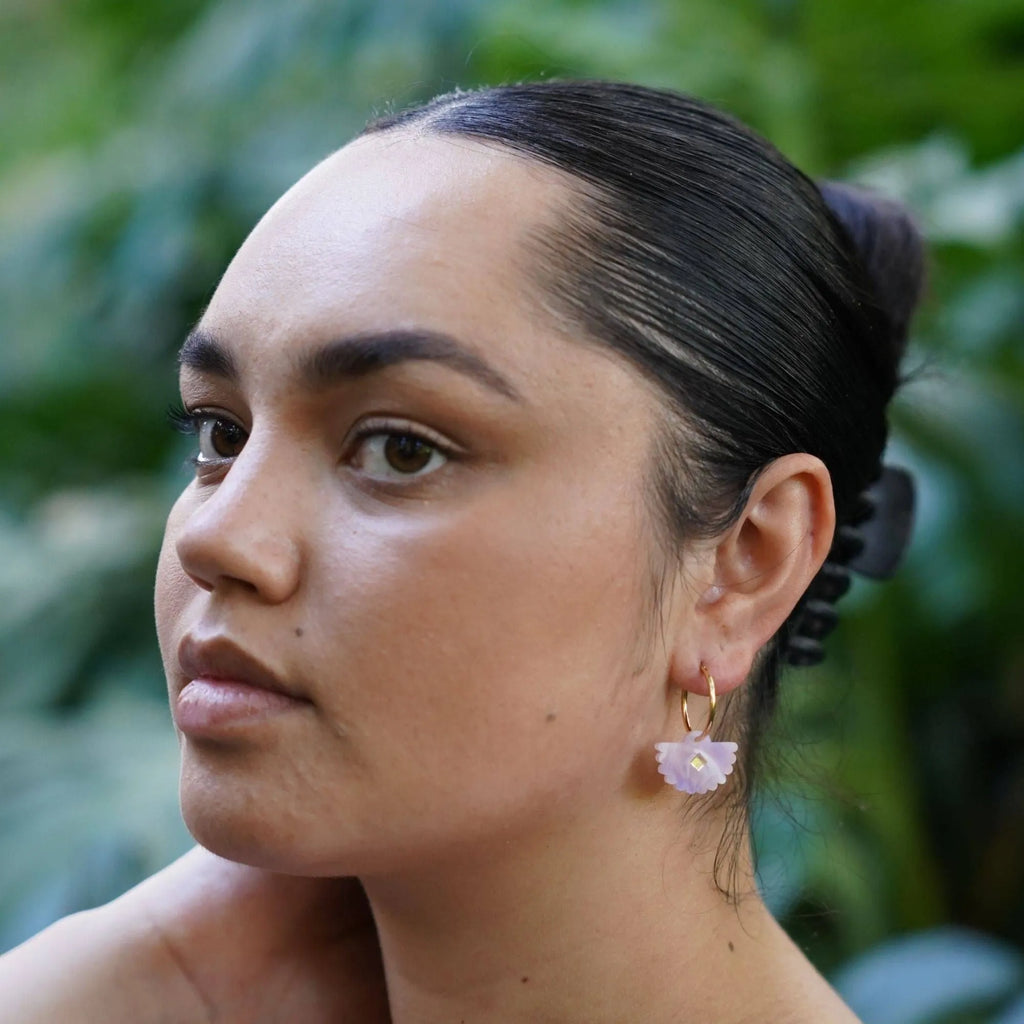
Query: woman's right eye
220,438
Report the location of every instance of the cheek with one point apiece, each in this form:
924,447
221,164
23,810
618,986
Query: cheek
474,672
499,643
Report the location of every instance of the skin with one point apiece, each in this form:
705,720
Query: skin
485,663
205,939
453,625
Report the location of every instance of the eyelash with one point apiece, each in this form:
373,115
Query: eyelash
188,422
183,421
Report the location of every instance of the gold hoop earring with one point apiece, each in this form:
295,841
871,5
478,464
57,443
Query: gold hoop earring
713,700
697,764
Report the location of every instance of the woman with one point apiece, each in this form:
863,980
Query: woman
522,419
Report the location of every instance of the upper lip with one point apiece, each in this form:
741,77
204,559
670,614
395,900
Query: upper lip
220,657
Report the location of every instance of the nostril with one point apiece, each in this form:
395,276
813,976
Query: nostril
199,581
208,576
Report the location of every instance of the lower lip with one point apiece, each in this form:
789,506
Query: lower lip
218,707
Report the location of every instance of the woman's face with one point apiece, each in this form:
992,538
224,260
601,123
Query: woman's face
422,512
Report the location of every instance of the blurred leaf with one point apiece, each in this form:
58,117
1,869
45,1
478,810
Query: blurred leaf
1013,1014
919,978
76,547
88,807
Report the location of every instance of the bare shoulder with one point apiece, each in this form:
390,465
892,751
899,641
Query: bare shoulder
95,965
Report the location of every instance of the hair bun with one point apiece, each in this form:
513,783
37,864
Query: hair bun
873,546
885,530
890,248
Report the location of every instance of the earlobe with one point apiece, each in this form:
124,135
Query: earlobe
763,564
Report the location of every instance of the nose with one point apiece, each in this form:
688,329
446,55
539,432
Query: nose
245,532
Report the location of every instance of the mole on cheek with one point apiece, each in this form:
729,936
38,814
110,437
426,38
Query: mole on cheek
550,717
298,631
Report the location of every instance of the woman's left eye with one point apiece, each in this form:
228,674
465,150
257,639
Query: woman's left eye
397,455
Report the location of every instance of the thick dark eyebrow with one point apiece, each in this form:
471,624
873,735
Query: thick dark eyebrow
204,353
356,356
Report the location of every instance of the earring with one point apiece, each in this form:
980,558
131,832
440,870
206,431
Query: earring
696,764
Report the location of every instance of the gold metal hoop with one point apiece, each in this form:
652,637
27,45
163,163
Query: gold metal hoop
711,708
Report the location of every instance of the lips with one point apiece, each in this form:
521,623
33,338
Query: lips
220,659
228,693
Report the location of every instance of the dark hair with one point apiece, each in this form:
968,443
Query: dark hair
771,312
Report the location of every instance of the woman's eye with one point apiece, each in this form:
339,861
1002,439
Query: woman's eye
219,438
392,455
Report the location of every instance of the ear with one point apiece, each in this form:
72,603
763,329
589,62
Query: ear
754,574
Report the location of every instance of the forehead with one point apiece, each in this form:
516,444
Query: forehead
395,230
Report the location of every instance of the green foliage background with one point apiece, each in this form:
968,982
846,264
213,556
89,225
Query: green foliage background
141,141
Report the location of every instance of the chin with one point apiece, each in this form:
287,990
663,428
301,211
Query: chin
232,833
229,814
242,817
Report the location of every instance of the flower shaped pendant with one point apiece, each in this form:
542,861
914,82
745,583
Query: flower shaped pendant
696,764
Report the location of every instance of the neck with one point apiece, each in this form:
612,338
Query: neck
597,920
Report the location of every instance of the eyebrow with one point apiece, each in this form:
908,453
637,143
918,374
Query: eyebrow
355,356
